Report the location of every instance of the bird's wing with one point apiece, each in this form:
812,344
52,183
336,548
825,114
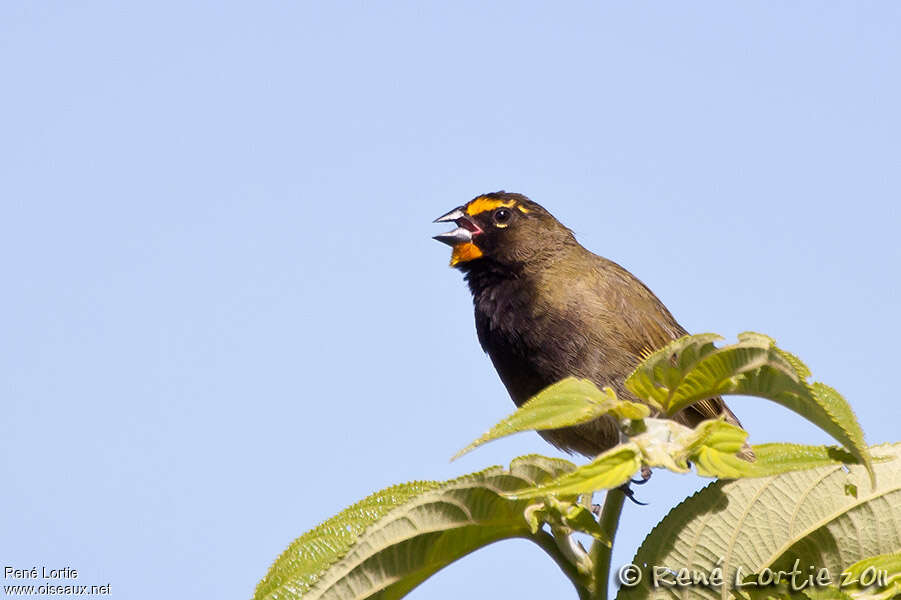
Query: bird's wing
647,326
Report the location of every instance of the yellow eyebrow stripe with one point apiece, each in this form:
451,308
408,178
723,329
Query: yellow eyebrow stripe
482,204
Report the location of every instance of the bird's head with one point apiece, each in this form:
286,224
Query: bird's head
505,228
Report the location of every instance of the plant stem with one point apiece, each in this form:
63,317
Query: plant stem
549,545
601,550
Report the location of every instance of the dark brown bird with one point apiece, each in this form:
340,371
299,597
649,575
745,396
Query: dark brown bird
546,308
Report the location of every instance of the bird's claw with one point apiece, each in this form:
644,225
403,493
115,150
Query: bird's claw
645,476
630,494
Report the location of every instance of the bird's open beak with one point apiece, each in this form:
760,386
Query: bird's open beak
466,228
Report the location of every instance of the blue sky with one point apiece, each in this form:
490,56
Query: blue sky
224,317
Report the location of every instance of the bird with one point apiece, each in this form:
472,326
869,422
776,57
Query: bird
546,308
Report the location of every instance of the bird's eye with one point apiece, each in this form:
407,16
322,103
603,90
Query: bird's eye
502,215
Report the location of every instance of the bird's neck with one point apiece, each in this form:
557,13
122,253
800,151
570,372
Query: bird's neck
488,278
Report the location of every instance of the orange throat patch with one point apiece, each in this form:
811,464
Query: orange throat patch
464,252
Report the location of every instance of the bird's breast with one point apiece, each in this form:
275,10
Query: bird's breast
534,343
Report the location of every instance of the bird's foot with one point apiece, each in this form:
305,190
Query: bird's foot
645,476
627,490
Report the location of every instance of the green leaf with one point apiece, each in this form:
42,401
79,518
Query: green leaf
772,459
562,516
310,554
568,402
784,591
826,593
691,369
873,578
712,447
387,544
668,444
609,470
770,522
664,369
